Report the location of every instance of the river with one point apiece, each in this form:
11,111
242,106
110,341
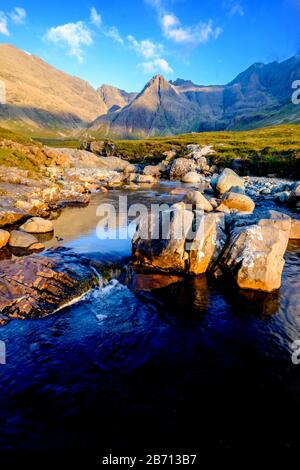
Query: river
162,364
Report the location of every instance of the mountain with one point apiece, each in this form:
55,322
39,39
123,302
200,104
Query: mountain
41,97
160,109
37,94
114,98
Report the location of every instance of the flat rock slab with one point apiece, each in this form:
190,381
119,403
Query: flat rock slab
36,286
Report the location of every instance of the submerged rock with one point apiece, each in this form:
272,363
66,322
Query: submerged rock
35,286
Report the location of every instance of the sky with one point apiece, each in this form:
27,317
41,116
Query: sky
124,43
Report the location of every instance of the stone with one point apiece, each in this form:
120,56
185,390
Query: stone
153,170
180,167
254,254
295,230
178,191
37,225
198,201
35,286
145,179
226,180
20,239
37,247
235,200
159,242
11,216
191,177
208,242
4,237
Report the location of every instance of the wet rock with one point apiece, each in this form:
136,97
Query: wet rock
191,177
11,216
240,202
178,191
4,237
295,230
208,242
36,286
20,239
180,167
198,201
37,225
226,180
37,247
159,242
254,253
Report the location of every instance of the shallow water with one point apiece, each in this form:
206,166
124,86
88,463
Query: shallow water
163,363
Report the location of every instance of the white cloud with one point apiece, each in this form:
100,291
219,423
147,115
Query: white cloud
95,17
113,33
197,34
174,30
233,7
3,24
72,35
18,15
156,65
152,53
145,48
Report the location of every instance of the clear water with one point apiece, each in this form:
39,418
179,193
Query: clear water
163,363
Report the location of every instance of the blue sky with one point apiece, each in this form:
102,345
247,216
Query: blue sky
124,43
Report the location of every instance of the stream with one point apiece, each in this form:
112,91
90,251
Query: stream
162,363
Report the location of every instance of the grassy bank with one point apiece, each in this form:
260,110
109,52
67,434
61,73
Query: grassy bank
266,150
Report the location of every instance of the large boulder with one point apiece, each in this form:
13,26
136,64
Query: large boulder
226,180
208,242
35,286
254,254
197,201
20,239
191,177
240,202
37,225
180,167
159,242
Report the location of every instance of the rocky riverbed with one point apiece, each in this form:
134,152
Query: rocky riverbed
215,201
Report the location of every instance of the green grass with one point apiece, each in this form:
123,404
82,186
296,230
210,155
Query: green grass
15,158
266,150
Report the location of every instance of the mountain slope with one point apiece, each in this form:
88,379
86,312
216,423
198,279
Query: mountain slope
114,98
158,110
40,95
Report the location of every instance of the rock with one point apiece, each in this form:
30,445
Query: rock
295,230
222,208
4,237
168,252
153,170
198,201
35,286
145,179
208,242
178,191
37,247
180,167
226,180
191,177
81,158
20,239
282,197
130,168
241,202
37,225
254,253
11,216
